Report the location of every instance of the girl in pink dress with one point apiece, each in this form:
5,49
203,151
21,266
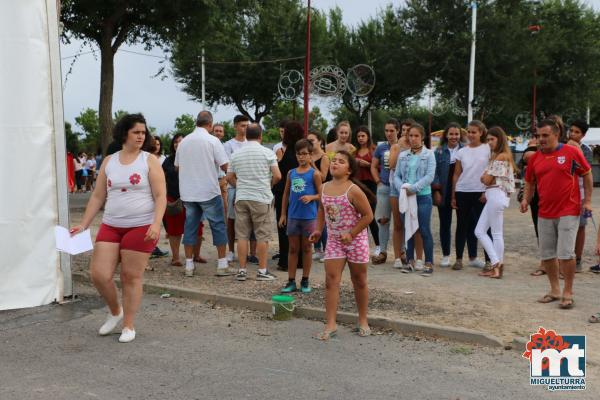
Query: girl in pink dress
346,210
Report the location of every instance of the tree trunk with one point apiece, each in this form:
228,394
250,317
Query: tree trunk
107,76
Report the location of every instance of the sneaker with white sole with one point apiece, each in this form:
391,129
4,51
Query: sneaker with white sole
408,267
419,265
189,272
476,263
230,256
111,323
127,335
445,262
398,263
267,276
223,272
241,275
317,255
376,251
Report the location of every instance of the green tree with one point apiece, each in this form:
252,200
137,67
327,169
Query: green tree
184,124
89,123
287,110
72,139
266,30
110,23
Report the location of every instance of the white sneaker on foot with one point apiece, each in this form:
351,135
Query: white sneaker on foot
230,256
376,251
317,255
111,323
398,263
445,261
419,265
127,335
476,263
189,272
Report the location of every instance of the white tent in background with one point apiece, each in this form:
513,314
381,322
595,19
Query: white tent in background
33,198
592,137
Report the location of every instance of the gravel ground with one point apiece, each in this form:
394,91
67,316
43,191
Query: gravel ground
505,308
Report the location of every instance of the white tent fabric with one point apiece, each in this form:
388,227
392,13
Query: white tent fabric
592,137
32,136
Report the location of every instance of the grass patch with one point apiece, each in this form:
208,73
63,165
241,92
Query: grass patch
464,350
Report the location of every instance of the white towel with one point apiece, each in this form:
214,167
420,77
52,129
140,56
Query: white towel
408,207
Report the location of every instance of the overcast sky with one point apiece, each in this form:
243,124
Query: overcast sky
162,101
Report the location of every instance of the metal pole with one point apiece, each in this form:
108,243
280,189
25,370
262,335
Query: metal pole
307,70
203,81
65,281
370,121
472,69
533,111
587,115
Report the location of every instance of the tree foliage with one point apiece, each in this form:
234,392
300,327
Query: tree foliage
109,24
265,30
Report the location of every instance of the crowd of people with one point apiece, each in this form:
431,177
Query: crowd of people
324,195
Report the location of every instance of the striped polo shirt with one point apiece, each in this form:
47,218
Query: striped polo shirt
252,166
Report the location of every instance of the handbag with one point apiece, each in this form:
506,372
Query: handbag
174,208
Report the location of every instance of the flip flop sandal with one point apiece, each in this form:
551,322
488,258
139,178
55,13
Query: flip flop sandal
176,264
567,306
200,260
594,319
538,272
362,332
548,298
326,335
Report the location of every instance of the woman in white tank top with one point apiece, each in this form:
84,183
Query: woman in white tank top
133,186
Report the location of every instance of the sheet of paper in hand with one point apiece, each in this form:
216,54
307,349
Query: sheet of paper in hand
75,244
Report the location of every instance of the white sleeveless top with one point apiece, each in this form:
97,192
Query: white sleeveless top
129,201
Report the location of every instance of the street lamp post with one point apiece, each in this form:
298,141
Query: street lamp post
472,67
307,70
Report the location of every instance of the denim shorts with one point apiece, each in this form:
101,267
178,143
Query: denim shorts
213,211
231,203
301,227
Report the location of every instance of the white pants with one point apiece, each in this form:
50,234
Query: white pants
492,217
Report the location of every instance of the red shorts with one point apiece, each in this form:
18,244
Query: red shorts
174,223
128,238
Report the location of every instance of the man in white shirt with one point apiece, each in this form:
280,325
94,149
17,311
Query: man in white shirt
253,171
198,157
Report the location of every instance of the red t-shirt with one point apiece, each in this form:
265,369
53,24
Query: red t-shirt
364,173
555,175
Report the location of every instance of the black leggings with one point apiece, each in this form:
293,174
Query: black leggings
373,227
467,216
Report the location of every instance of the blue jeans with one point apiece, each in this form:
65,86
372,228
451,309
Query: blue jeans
213,211
424,205
383,211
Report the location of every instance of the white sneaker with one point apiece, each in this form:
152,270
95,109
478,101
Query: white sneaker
317,255
189,272
398,263
419,265
445,261
476,263
230,256
127,335
377,251
111,323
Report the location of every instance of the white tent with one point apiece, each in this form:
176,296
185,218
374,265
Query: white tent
33,197
592,137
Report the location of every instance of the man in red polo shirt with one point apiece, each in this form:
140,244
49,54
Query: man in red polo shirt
554,169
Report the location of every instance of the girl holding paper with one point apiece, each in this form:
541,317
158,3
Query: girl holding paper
133,186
